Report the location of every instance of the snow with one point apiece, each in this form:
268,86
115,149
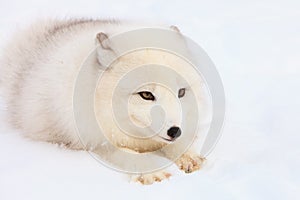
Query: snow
256,48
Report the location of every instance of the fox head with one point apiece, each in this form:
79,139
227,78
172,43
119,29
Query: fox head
145,98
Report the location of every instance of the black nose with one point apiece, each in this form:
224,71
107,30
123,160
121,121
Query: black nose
174,132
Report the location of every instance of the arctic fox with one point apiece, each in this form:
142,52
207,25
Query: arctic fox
38,72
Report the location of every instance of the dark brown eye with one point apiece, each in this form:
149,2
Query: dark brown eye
181,92
147,95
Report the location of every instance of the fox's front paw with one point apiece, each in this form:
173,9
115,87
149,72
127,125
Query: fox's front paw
190,162
147,179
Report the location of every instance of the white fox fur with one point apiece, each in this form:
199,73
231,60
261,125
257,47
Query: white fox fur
38,70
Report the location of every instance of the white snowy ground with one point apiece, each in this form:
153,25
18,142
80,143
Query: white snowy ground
256,48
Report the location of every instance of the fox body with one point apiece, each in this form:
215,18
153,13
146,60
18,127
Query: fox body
39,69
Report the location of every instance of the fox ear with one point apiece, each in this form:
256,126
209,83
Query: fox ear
175,28
105,52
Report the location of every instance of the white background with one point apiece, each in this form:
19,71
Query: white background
256,48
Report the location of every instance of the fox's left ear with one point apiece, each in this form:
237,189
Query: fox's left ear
175,28
105,52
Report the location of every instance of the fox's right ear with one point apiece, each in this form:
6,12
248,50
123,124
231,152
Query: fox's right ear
105,52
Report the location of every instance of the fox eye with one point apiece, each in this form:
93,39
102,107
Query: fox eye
181,92
147,95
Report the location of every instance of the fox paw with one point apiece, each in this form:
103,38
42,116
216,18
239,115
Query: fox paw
147,179
190,162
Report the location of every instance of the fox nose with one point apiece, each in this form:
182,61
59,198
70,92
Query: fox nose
174,132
